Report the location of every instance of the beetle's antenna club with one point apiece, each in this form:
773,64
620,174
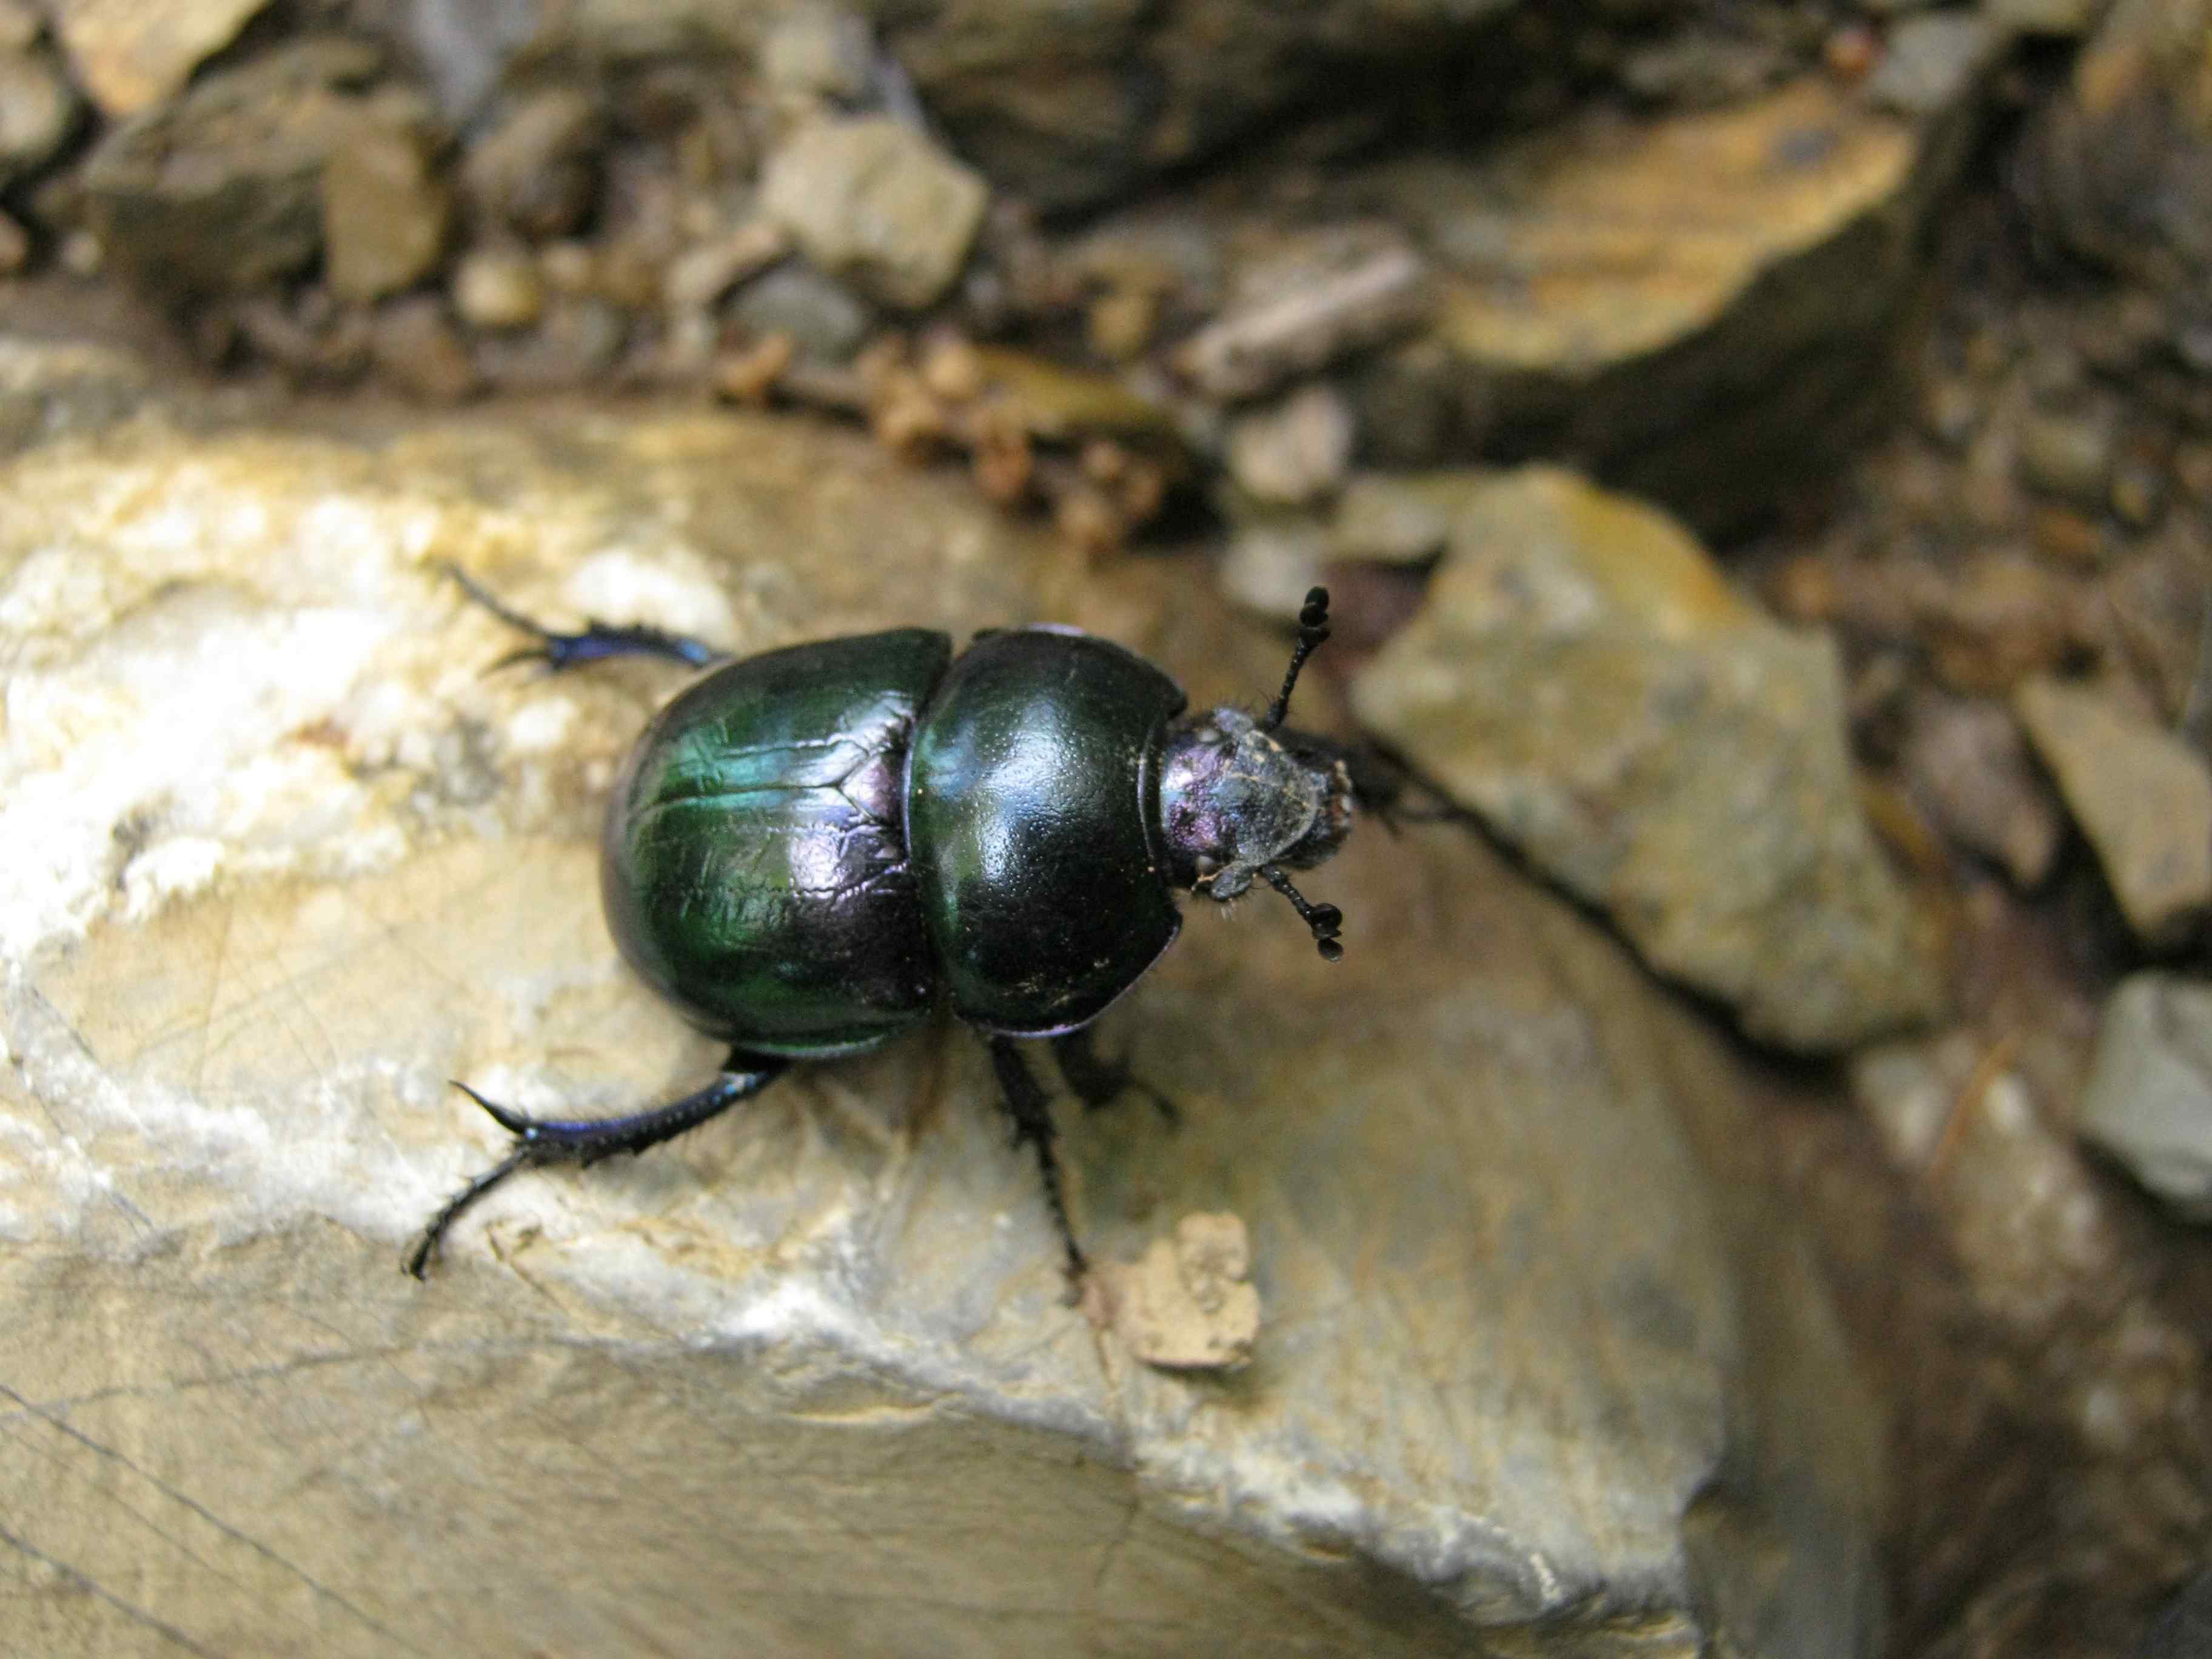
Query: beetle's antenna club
1326,919
1313,629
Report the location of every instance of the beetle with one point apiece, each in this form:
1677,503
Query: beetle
807,848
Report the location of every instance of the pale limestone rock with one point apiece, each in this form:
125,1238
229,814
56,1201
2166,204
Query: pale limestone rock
1584,677
1544,1366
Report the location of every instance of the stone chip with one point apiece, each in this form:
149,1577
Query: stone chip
877,204
2141,796
2148,1099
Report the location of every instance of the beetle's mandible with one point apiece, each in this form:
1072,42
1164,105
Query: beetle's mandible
807,848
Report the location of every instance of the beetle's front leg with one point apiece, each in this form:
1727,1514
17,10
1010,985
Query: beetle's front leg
586,1141
1026,1104
1098,1081
594,642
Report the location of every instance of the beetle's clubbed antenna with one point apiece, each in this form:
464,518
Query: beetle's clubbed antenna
1325,919
1313,629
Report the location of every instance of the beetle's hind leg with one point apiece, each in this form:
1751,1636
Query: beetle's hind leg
1098,1081
586,1141
1025,1102
594,642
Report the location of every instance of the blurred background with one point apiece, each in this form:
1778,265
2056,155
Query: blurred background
1760,451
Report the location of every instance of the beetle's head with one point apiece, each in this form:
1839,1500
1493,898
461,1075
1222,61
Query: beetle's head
1243,797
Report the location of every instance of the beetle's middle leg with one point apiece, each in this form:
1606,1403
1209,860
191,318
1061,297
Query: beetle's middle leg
1026,1104
1098,1081
594,642
586,1141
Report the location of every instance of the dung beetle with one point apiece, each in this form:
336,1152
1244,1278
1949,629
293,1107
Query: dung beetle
809,846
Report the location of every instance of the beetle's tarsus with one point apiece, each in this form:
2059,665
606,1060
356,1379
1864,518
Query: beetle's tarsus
595,642
1096,1081
584,1141
1025,1102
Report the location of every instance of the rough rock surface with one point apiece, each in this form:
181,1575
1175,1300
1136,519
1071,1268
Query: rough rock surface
2122,170
2141,796
1541,1356
1068,104
2148,1100
1582,676
1629,295
220,189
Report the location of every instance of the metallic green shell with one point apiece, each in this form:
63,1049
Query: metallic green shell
1033,817
754,866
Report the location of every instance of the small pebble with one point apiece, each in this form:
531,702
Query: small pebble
2069,537
385,207
568,268
2141,795
417,348
1119,324
1949,412
1386,517
2069,456
1932,62
1295,450
905,417
700,276
498,288
1190,1304
748,375
1089,521
826,320
1271,564
1967,760
14,247
537,170
951,368
1850,51
37,110
575,343
877,203
2136,495
818,50
82,254
1001,458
